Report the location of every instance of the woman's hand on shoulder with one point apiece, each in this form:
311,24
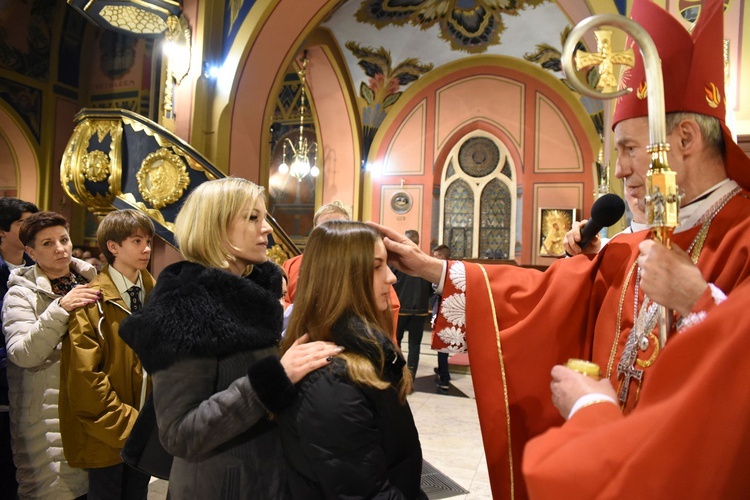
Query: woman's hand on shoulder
79,296
304,357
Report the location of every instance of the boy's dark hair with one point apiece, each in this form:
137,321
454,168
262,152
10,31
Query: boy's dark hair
119,225
443,249
11,210
38,221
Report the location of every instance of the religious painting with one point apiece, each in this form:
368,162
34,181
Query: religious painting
554,223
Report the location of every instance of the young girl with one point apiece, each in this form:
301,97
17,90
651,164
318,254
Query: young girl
350,432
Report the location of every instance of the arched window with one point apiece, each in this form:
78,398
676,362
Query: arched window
477,199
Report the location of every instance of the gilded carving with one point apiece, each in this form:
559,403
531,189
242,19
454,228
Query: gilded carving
162,178
79,165
96,166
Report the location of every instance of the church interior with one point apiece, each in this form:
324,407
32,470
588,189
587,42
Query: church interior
453,118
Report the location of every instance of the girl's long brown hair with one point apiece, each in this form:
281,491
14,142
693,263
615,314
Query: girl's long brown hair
336,278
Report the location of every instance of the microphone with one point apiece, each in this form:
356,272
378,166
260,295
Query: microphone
604,212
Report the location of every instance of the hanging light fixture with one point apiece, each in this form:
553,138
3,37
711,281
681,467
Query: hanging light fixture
302,159
142,18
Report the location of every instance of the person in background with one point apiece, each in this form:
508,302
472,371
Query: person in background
414,295
12,255
102,383
442,372
36,312
350,432
332,211
209,336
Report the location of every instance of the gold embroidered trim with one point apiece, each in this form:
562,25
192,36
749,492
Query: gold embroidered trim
618,331
502,372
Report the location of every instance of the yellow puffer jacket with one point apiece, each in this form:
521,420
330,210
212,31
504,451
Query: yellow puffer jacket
101,380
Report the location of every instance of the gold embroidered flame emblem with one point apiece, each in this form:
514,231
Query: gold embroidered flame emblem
713,96
642,91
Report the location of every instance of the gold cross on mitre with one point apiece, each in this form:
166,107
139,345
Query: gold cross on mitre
606,59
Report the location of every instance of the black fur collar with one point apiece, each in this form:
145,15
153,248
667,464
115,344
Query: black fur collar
194,311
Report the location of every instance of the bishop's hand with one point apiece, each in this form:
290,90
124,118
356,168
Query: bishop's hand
573,237
408,257
569,386
669,277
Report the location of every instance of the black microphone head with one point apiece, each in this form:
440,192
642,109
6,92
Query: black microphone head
607,210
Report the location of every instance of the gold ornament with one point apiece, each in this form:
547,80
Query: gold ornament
162,178
96,166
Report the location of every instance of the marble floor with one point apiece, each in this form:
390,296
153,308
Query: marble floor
448,430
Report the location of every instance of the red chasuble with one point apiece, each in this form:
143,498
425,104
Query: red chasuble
572,310
687,438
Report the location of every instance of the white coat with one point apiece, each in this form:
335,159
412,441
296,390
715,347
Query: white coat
34,324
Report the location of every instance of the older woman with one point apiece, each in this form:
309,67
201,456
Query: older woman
209,337
36,311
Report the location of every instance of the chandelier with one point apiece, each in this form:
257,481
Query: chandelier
302,157
141,19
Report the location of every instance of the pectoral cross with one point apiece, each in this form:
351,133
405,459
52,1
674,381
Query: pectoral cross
606,59
626,369
626,373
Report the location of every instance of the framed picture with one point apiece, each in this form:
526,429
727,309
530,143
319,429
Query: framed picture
554,223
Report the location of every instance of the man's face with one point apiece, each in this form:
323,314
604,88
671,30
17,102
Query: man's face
9,238
631,140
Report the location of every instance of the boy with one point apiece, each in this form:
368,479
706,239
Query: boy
102,382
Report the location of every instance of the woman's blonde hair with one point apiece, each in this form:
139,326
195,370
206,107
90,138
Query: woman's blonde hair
336,278
201,226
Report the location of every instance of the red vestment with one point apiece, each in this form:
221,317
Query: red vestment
569,311
687,438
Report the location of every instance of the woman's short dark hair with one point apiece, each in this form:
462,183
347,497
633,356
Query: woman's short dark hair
38,221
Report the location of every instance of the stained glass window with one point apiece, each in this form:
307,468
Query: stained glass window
479,200
459,219
494,221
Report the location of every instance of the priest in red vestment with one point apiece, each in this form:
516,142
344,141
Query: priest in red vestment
687,438
518,323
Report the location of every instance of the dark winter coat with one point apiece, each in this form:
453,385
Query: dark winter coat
343,440
198,335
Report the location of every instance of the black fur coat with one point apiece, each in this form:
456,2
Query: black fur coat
195,311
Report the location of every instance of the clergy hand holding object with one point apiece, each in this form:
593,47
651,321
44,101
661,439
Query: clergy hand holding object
662,200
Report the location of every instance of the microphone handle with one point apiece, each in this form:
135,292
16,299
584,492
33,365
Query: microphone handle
588,233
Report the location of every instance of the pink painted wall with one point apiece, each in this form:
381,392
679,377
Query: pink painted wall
336,130
506,103
25,156
255,87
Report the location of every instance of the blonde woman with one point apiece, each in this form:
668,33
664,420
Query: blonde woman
350,432
209,337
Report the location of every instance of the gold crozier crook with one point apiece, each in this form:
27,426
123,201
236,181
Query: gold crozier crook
662,200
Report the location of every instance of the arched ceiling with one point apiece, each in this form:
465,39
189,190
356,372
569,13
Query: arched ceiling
435,32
